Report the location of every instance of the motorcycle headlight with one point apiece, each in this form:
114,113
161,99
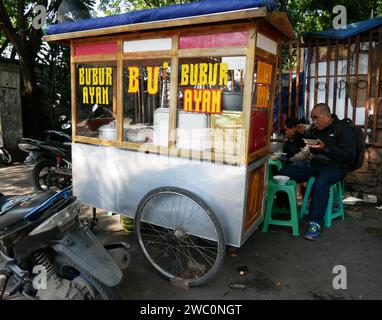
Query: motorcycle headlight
59,219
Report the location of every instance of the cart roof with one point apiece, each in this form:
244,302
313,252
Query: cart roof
200,12
351,30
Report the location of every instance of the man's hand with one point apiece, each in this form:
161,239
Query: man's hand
319,146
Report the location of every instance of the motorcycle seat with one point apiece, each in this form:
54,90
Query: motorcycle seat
62,145
14,209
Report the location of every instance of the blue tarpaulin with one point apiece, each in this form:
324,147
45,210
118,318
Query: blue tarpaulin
164,13
351,30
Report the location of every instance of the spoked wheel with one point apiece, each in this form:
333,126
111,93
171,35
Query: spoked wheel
179,235
5,156
44,177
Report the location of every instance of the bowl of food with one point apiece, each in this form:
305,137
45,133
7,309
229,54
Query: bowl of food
278,155
311,142
281,179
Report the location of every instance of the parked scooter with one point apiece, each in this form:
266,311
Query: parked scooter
52,157
53,163
48,254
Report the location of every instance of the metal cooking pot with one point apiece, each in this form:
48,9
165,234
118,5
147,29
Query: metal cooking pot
232,101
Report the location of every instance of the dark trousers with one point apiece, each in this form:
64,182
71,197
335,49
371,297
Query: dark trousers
325,176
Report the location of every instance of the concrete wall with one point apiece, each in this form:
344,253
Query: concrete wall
10,107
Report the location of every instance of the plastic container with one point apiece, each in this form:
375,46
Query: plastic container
192,131
281,179
232,101
107,132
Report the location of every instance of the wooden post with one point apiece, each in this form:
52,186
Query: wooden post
368,88
173,92
355,91
328,51
290,79
347,87
119,94
280,88
298,78
248,91
377,83
335,78
307,101
273,93
316,72
73,91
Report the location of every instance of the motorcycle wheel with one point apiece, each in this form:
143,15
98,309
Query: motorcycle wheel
68,271
6,157
44,178
106,293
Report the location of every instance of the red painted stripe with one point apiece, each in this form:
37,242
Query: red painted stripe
259,130
95,48
231,39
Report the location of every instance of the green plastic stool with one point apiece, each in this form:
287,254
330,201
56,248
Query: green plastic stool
290,189
278,163
335,195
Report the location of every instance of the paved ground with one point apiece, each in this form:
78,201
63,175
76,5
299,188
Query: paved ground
279,265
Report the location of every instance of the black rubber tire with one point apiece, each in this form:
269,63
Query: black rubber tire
6,157
36,172
219,231
106,293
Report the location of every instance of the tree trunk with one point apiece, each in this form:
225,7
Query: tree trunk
30,96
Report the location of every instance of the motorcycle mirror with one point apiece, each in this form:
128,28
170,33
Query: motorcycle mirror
95,107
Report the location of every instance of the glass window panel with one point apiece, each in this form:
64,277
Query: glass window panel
210,104
96,100
146,101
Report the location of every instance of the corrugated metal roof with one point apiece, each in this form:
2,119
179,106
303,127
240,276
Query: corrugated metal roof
351,30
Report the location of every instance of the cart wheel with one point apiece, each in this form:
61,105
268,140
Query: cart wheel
179,235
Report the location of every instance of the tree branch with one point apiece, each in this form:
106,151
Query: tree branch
4,46
13,54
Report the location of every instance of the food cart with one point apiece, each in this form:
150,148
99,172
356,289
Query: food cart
182,148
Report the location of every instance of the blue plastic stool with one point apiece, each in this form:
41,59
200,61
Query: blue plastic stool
290,189
335,195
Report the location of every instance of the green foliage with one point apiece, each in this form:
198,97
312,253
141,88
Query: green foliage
121,6
144,4
317,15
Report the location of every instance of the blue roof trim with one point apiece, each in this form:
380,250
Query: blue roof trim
351,30
163,13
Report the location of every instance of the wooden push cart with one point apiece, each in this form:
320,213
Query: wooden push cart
172,122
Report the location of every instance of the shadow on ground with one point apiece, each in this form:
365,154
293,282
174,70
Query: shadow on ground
277,265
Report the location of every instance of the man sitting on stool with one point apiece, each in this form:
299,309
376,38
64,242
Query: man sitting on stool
329,162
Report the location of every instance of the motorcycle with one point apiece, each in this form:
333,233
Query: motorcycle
49,254
53,164
53,156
